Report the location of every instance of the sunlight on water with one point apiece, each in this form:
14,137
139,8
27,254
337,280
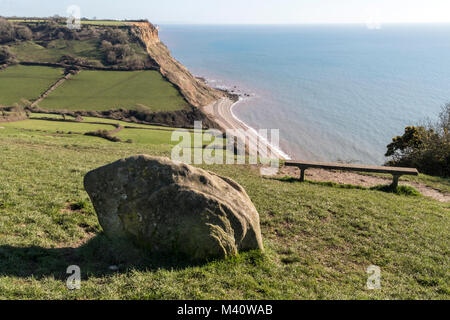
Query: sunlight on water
335,92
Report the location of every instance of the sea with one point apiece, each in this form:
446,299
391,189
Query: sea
335,92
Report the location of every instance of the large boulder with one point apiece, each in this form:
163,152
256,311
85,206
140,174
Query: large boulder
170,207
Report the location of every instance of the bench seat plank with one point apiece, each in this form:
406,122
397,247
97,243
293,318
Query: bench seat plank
352,167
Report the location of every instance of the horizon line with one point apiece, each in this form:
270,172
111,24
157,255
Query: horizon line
246,23
296,23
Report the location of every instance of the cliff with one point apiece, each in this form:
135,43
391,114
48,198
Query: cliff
197,93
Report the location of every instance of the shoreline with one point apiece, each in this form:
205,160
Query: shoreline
221,112
278,150
228,120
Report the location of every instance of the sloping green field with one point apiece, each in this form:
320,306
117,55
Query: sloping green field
26,82
105,23
107,90
145,135
54,50
319,238
55,126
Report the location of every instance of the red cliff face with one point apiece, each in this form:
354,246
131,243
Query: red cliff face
195,92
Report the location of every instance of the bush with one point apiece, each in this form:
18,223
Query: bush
115,36
134,62
111,57
122,51
143,110
121,54
103,134
425,147
6,56
106,45
7,32
23,33
11,32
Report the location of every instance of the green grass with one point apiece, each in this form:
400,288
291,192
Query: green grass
438,183
31,51
54,50
55,127
95,119
105,23
107,90
20,82
319,238
149,135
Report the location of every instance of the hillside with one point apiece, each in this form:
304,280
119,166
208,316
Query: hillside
195,91
130,51
66,109
319,237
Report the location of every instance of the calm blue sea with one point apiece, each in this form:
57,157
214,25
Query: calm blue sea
335,92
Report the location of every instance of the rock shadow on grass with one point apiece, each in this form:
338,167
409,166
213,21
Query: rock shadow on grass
94,259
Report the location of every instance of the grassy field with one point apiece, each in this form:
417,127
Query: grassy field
53,127
33,52
142,135
319,238
106,90
94,119
105,23
17,82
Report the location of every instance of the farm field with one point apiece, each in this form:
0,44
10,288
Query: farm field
107,90
319,238
32,52
55,126
20,82
95,119
105,23
145,135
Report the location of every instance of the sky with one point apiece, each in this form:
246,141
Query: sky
241,11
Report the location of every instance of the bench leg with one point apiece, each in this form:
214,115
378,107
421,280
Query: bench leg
395,181
302,175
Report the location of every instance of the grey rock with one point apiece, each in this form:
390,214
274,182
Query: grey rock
170,207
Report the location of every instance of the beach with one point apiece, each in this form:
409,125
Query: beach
222,112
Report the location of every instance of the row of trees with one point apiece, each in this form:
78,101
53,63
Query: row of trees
425,147
11,32
115,45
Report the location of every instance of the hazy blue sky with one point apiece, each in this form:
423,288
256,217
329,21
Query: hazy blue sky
242,11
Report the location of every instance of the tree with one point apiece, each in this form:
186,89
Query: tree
111,57
106,45
115,36
7,32
23,33
6,56
134,62
425,147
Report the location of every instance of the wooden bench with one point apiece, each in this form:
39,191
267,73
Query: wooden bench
395,171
